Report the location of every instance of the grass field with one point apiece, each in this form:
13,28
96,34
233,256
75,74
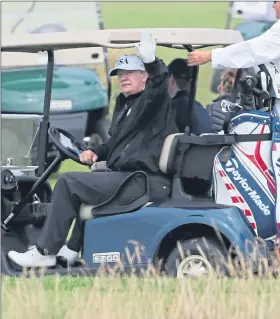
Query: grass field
149,298
146,298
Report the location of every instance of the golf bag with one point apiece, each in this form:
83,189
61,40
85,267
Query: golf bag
247,174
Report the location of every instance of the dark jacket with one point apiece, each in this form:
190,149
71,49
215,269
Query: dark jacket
217,104
246,101
200,120
218,100
140,124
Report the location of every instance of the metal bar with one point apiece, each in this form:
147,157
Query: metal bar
229,15
105,51
183,47
193,88
44,125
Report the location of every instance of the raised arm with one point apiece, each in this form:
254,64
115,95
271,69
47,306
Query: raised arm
157,84
246,54
155,92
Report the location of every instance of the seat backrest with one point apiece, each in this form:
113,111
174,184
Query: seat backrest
197,163
198,160
168,153
197,169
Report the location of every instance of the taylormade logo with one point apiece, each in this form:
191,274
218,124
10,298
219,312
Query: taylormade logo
232,167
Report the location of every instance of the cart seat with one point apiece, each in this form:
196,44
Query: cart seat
168,153
165,164
193,179
192,172
99,166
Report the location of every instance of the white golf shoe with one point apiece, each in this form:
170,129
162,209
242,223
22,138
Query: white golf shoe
32,258
67,256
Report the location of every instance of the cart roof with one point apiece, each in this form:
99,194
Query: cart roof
117,38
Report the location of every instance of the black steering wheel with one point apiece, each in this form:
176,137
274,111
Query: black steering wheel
67,144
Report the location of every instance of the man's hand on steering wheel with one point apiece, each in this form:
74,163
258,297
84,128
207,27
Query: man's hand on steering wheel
70,147
88,157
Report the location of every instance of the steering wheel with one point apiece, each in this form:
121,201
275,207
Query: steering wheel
67,144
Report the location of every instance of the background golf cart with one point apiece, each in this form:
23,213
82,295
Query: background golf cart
182,217
79,103
257,18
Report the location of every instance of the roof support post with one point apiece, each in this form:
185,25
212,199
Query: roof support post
44,125
193,87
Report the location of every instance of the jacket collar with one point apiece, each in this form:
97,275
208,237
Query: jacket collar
124,99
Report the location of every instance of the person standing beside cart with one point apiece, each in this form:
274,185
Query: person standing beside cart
264,49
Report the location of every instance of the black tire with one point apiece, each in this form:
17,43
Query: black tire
208,249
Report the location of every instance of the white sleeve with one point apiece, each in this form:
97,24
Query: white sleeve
253,52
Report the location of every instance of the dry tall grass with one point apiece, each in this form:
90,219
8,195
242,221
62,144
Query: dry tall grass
243,295
117,298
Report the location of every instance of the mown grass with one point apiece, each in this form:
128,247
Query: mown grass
242,295
123,298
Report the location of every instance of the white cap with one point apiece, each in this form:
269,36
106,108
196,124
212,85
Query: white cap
128,62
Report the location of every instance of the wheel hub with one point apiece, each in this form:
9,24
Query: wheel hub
194,266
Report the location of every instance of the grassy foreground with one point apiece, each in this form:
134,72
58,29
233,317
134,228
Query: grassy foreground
149,298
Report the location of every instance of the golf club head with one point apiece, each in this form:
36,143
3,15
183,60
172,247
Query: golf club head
231,107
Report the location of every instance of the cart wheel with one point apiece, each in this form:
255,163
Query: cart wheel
195,258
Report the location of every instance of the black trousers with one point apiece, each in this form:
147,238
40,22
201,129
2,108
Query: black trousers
76,188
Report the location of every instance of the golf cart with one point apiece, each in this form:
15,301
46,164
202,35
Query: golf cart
134,232
80,103
259,16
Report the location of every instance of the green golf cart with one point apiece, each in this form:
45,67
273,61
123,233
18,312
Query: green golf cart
80,97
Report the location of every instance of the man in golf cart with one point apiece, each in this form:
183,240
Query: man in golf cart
179,79
142,118
248,92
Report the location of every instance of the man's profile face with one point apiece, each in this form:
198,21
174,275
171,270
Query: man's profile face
132,82
171,86
276,6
